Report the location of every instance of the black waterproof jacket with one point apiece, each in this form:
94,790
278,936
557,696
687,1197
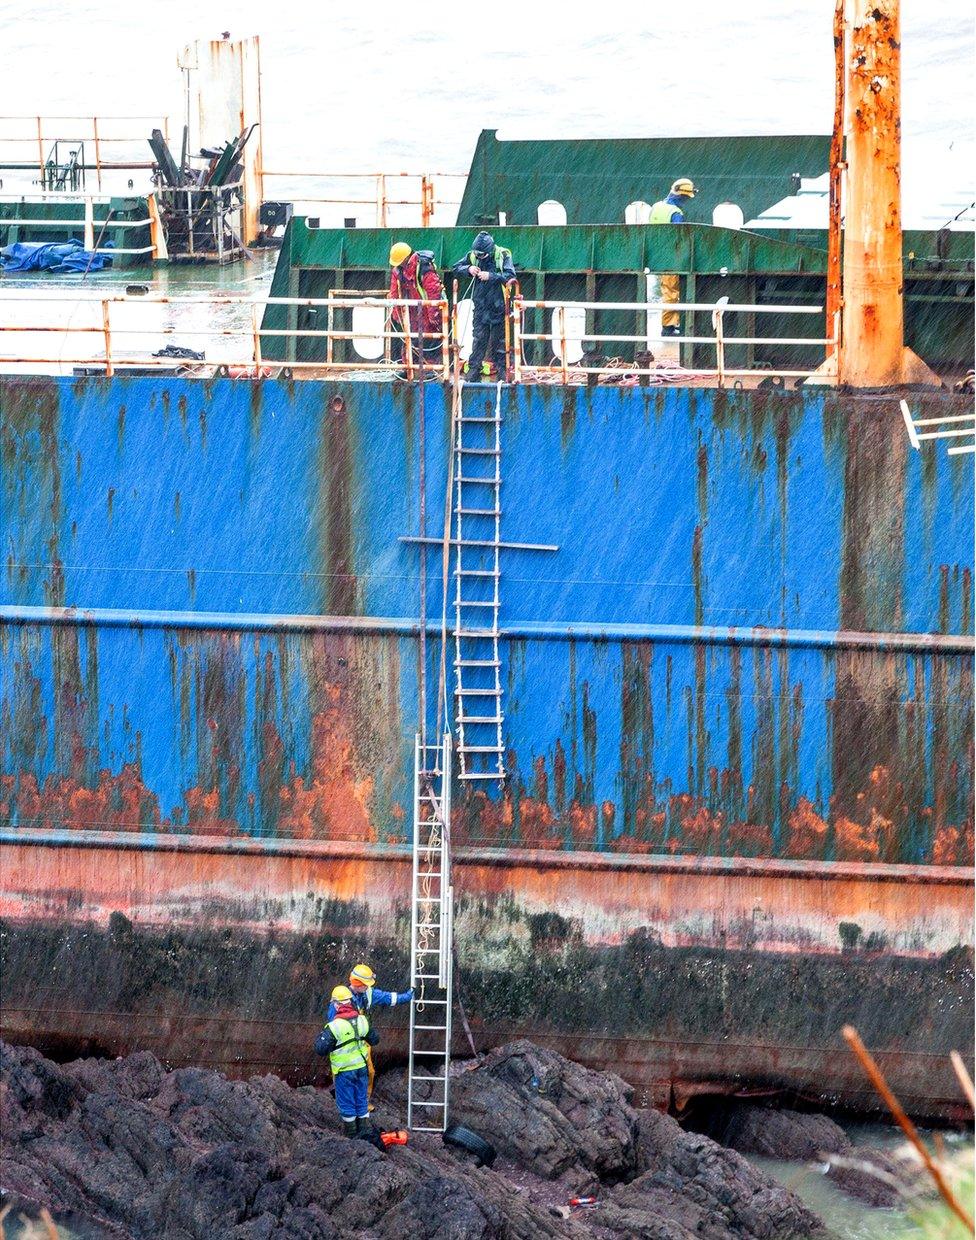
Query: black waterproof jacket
487,295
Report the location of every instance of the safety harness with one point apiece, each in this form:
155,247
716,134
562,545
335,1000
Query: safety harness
341,1059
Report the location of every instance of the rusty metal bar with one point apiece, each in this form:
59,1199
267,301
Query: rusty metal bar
834,296
853,1040
872,334
107,329
678,633
256,332
150,841
98,156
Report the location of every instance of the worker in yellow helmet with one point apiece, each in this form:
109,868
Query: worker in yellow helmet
670,210
366,995
413,277
347,1039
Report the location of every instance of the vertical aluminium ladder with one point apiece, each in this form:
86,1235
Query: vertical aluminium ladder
431,935
477,532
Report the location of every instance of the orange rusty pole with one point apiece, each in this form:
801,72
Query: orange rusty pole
871,353
834,297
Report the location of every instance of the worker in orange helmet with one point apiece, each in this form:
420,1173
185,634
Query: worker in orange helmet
367,995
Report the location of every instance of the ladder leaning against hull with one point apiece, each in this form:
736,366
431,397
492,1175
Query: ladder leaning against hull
431,927
477,534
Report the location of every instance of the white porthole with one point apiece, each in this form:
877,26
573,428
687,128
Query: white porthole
637,212
551,212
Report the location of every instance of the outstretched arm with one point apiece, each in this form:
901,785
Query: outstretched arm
390,998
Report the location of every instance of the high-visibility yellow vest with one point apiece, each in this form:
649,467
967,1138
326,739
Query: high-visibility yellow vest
662,211
350,1052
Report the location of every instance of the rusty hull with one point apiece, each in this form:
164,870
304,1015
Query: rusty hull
738,711
680,973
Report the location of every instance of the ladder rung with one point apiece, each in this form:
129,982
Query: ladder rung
439,1002
440,1054
478,451
488,481
479,719
479,512
476,663
465,419
473,602
432,1080
428,873
482,774
430,925
465,692
482,748
478,572
477,632
430,1027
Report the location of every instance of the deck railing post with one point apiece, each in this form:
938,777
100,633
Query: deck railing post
98,153
517,339
256,332
445,340
107,333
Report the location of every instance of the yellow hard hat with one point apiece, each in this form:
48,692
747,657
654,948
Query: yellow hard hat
342,994
399,253
363,974
683,186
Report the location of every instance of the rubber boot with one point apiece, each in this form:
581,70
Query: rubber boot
350,1127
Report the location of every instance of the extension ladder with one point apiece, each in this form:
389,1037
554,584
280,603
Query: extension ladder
431,935
477,532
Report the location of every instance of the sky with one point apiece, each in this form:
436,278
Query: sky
389,86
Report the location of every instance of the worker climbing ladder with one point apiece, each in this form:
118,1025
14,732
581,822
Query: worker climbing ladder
432,906
477,533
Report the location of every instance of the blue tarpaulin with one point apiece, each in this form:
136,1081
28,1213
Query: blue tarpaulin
58,256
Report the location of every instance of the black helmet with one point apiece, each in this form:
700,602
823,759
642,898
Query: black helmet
484,244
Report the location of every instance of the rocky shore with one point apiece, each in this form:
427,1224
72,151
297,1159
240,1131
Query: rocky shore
124,1148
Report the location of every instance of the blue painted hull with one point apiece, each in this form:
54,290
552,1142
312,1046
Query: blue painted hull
738,719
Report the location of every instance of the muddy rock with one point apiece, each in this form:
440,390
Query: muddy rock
710,1190
548,1112
121,1150
873,1176
790,1135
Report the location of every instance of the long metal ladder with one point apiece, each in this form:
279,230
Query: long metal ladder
477,534
431,939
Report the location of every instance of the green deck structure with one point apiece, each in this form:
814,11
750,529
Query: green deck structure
595,179
607,262
56,221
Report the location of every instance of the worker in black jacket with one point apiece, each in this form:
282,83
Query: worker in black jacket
492,273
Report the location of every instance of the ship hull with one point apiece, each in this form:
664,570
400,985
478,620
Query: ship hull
736,634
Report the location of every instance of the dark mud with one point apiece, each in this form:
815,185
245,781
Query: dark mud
121,1149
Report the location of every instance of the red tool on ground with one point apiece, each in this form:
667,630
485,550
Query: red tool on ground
397,1137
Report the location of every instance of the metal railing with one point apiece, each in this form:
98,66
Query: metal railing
719,340
35,135
947,426
86,222
420,184
247,334
111,325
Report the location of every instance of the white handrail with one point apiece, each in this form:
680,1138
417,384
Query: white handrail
640,306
